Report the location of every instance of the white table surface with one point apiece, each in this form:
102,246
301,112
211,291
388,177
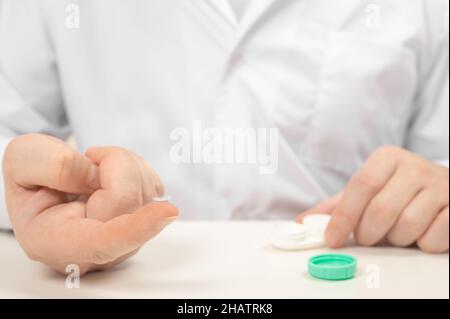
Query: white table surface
228,260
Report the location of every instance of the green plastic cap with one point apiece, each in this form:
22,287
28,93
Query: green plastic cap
332,266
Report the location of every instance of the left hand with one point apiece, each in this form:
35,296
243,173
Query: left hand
396,196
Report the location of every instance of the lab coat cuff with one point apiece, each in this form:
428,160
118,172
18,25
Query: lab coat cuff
4,219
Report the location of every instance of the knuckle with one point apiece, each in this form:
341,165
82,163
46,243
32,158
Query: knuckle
129,198
369,181
14,146
20,141
120,151
421,170
438,194
409,224
382,208
389,151
64,163
415,175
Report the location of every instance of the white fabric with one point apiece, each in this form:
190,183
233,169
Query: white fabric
336,85
239,6
4,220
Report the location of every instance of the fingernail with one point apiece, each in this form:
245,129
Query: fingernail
332,237
93,177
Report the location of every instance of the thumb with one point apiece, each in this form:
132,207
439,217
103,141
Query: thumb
84,240
127,232
325,207
41,160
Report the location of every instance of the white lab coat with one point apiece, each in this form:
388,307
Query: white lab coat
337,78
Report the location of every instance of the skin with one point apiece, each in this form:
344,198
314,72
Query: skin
94,209
91,209
396,197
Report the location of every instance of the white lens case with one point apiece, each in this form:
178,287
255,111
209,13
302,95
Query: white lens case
294,236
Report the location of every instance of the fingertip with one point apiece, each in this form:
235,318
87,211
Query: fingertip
153,218
333,237
165,209
300,217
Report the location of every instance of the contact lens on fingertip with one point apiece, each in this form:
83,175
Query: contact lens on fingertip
161,199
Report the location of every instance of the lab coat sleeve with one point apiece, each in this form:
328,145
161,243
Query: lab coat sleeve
429,130
30,96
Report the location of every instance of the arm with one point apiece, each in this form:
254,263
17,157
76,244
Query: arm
30,95
401,195
428,133
112,214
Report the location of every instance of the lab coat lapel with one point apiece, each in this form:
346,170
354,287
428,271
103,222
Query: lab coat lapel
254,13
215,18
219,19
224,7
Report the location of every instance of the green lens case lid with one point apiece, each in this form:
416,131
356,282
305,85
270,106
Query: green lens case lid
332,266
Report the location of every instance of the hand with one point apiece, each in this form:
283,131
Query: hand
127,183
396,196
108,223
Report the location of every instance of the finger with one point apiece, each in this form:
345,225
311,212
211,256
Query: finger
80,240
416,218
28,207
325,207
98,154
128,232
385,208
435,239
39,160
152,185
363,186
102,267
121,183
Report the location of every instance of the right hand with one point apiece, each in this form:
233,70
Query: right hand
103,224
